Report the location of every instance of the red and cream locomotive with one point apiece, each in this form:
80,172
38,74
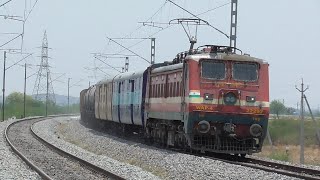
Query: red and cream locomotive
208,99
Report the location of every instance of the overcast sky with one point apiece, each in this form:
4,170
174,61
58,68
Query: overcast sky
285,33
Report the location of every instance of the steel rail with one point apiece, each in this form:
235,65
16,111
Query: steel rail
288,170
54,148
296,171
82,161
25,159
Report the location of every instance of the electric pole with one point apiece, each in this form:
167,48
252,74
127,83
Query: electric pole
69,95
302,90
24,91
234,21
47,94
153,51
4,80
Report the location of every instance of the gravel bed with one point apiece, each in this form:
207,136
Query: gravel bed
11,166
52,163
47,130
164,164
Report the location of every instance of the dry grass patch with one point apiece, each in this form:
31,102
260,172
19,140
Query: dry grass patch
291,153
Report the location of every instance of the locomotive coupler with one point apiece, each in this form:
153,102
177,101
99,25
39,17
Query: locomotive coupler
229,128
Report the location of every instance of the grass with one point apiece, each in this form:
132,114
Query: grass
291,153
281,156
285,134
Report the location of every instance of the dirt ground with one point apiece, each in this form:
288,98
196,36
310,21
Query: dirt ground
291,154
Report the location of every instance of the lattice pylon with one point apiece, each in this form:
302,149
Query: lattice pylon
43,82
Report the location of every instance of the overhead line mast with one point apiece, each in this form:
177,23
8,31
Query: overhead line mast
233,26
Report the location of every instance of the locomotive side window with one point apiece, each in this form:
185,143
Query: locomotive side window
213,70
245,71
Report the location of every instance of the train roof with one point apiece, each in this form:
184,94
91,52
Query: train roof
104,81
122,76
167,68
129,75
225,56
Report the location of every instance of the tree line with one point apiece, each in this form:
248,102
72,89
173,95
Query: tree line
14,107
278,108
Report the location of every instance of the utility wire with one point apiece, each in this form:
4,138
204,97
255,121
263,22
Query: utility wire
10,40
144,39
31,10
5,3
18,62
129,50
107,64
103,72
199,18
76,84
56,79
139,27
214,9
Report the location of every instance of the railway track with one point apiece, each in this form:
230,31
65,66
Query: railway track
49,161
288,170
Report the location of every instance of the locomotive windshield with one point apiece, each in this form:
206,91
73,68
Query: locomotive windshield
245,72
213,69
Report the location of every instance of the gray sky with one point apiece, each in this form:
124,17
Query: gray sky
285,33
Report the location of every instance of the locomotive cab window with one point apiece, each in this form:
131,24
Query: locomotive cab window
211,69
245,71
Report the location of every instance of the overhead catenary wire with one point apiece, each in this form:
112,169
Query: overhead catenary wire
198,18
5,3
214,8
106,64
10,40
139,27
129,50
139,42
166,27
35,3
18,62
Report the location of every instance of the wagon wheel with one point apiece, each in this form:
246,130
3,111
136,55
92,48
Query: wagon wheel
243,155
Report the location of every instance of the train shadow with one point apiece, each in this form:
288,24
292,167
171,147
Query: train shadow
114,132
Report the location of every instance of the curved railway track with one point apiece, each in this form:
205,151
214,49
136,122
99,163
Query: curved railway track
49,161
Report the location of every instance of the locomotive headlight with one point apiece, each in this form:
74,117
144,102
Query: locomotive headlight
255,130
230,98
208,96
203,126
251,99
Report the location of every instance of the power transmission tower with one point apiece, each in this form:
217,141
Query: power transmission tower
43,85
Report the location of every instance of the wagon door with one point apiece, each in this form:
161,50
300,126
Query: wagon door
132,97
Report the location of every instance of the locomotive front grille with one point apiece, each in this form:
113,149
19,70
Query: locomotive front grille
223,144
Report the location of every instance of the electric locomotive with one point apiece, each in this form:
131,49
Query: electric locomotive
208,99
